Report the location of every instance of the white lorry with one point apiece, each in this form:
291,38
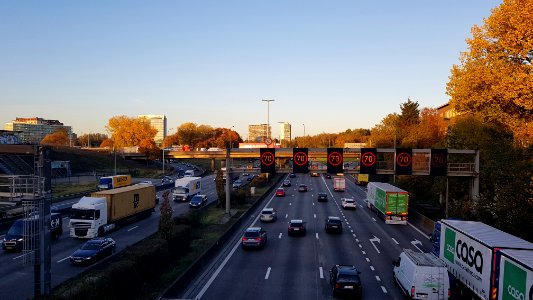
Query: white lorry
185,188
339,184
421,275
471,250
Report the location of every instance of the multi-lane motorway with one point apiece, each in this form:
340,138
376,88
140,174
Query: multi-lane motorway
298,267
288,268
17,279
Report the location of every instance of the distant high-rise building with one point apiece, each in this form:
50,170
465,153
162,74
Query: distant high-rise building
257,133
285,131
159,122
33,130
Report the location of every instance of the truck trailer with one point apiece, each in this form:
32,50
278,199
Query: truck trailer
339,184
113,182
516,275
185,188
388,201
104,211
470,251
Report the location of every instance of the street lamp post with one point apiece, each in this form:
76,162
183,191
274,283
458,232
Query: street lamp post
228,175
304,129
268,115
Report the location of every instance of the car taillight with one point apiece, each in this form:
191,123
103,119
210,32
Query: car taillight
412,291
259,239
337,286
244,239
449,294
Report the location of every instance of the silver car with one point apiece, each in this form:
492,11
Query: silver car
347,203
268,215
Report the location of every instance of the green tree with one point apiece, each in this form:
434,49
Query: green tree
506,174
494,78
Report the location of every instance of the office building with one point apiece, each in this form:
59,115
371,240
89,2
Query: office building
33,130
159,122
285,131
258,133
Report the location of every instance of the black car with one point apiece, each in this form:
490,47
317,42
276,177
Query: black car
296,227
328,176
345,280
322,197
286,183
292,175
93,250
333,224
198,201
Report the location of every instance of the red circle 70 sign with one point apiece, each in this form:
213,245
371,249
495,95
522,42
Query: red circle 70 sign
335,158
267,158
300,158
368,159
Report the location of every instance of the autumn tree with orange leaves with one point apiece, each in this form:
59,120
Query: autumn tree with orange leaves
59,137
127,132
494,78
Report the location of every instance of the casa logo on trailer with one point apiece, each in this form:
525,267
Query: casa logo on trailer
515,283
460,249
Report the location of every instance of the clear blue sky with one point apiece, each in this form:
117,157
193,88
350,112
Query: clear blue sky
331,65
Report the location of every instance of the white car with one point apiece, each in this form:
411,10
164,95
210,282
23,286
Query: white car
268,215
348,203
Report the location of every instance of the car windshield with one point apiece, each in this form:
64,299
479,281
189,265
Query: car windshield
196,199
267,212
90,246
251,234
334,221
348,200
348,278
297,224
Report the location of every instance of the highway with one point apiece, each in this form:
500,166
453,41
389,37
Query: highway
298,267
17,279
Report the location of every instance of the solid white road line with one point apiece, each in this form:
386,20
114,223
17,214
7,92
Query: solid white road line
395,241
373,219
134,227
63,259
268,273
427,237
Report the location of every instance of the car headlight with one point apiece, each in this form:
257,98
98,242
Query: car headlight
20,240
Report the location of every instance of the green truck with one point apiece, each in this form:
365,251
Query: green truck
388,201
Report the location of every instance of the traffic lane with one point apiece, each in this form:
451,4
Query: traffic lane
380,248
346,248
285,262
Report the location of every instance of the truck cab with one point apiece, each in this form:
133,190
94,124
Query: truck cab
87,217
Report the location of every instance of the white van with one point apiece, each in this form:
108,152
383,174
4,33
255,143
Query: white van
421,275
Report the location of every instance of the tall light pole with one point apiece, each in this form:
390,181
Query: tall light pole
268,115
228,175
304,129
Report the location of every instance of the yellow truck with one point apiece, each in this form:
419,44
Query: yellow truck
107,210
361,179
113,182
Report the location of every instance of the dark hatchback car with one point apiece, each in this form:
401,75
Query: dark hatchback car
345,281
296,227
333,224
286,183
198,201
254,237
93,250
322,197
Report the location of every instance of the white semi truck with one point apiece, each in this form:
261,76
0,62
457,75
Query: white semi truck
106,210
186,187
